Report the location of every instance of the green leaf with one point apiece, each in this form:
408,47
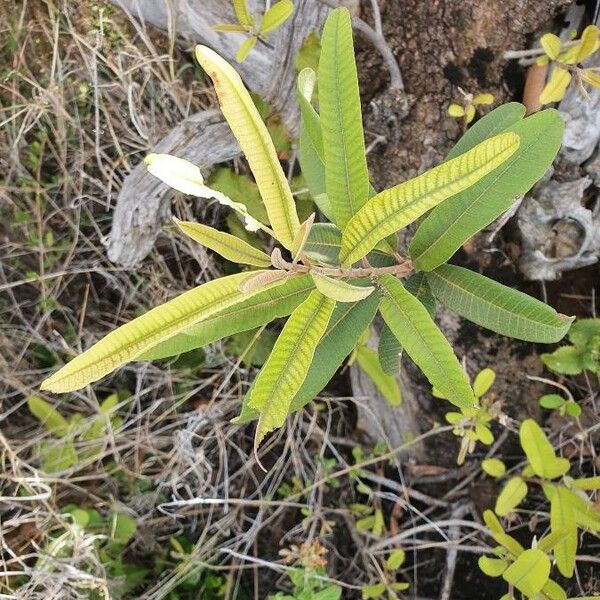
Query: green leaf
452,223
276,16
393,209
395,560
346,175
50,418
284,372
346,325
389,351
562,518
247,126
554,591
529,573
262,308
56,457
245,48
124,528
372,591
551,401
254,349
587,483
539,451
307,81
583,330
242,13
494,467
492,567
241,189
324,242
424,342
511,496
227,245
230,28
136,337
496,306
484,380
386,384
566,360
557,85
496,531
339,290
418,286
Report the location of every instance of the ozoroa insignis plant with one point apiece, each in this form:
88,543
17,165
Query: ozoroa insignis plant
331,278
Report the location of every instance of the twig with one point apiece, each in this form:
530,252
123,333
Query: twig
377,39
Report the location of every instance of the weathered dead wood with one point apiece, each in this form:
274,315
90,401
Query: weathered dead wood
204,139
392,424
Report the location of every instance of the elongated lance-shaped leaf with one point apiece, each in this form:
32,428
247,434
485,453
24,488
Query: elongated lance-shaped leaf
396,207
307,80
452,223
339,290
497,307
324,242
346,325
285,370
227,245
389,351
130,340
245,48
262,308
346,174
424,342
253,137
242,13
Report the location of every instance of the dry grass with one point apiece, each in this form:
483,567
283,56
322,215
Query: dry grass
84,93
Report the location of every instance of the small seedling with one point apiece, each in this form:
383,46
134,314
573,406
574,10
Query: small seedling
566,61
472,424
272,19
468,108
562,405
570,507
387,587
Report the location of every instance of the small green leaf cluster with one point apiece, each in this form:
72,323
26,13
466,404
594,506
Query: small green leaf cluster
331,278
472,424
468,108
571,509
60,453
271,20
526,570
582,355
562,405
566,61
388,586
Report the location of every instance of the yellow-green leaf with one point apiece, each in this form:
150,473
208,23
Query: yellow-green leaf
551,44
261,279
414,328
456,110
49,417
340,290
556,87
278,14
285,370
591,77
529,573
346,175
253,136
539,451
242,13
227,245
229,28
484,380
386,384
132,339
483,99
494,467
511,496
492,567
562,518
589,42
302,235
246,47
396,207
